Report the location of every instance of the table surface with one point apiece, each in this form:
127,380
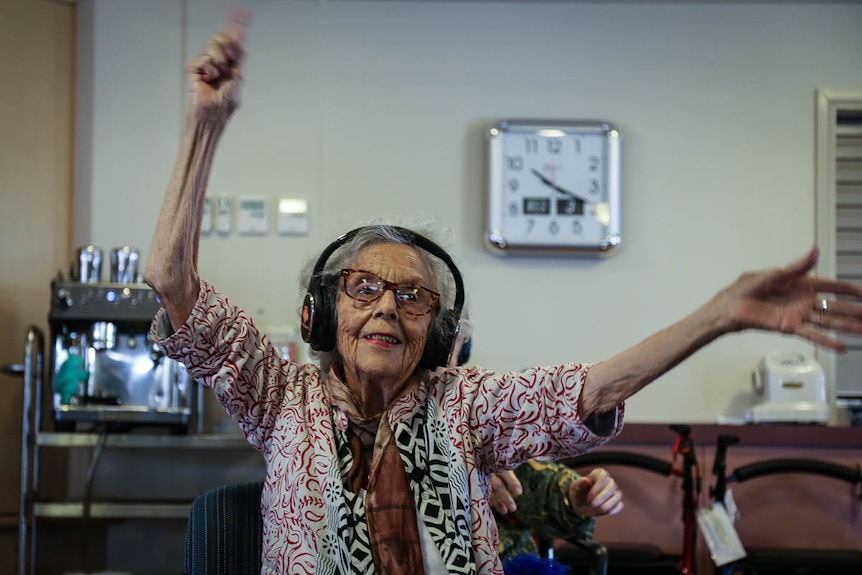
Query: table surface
760,435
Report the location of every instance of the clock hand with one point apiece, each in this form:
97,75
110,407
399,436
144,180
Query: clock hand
554,186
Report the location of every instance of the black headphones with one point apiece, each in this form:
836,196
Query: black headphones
317,321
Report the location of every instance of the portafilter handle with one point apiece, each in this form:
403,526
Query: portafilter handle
89,264
124,265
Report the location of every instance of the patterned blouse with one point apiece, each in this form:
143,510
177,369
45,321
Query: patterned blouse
453,431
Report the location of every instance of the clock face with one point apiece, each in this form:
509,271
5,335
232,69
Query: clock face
553,187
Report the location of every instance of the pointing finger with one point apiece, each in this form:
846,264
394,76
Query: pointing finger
238,18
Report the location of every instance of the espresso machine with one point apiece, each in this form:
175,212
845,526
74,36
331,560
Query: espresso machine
105,370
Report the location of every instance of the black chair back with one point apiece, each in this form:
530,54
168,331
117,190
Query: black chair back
224,535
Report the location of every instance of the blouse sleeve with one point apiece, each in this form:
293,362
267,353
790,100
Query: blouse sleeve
223,349
516,416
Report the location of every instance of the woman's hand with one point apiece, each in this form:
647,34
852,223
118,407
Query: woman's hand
790,300
504,488
216,75
595,494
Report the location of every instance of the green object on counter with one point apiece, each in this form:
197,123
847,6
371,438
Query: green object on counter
70,374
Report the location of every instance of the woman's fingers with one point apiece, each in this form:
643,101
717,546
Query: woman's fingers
502,487
597,493
238,19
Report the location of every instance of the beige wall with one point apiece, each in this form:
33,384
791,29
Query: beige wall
36,104
376,108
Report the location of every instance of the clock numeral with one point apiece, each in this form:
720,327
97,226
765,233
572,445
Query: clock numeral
554,228
577,145
594,163
513,209
555,145
570,206
531,223
537,206
531,145
513,184
594,186
515,163
577,227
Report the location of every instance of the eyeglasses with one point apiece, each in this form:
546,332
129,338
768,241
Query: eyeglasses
366,288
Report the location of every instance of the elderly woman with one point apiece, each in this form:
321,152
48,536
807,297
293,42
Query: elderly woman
383,465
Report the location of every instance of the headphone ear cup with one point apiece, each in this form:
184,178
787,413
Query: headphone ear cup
464,352
306,318
441,341
318,319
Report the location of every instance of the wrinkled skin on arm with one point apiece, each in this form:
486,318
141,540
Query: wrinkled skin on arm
215,79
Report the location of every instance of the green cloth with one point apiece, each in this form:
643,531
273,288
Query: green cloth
70,374
542,511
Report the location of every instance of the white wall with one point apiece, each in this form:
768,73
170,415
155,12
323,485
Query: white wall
376,109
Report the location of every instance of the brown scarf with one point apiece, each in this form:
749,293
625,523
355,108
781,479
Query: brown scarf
390,511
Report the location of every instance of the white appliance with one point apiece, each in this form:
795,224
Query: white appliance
790,388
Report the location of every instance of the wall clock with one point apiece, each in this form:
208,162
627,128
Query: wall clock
553,187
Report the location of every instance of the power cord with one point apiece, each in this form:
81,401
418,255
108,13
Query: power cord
88,496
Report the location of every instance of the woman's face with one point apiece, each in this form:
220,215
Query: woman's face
377,339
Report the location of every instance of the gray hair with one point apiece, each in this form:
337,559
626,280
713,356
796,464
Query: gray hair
376,233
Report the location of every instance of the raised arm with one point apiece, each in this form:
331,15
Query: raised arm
787,300
215,81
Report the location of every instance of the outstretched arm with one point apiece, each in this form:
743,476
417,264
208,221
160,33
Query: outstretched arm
785,300
215,80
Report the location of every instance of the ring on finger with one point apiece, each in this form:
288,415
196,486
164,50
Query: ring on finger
824,307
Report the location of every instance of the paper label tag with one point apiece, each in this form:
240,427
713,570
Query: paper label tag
730,506
719,534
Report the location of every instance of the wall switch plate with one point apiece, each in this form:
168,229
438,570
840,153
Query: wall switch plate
207,220
253,217
292,217
223,215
